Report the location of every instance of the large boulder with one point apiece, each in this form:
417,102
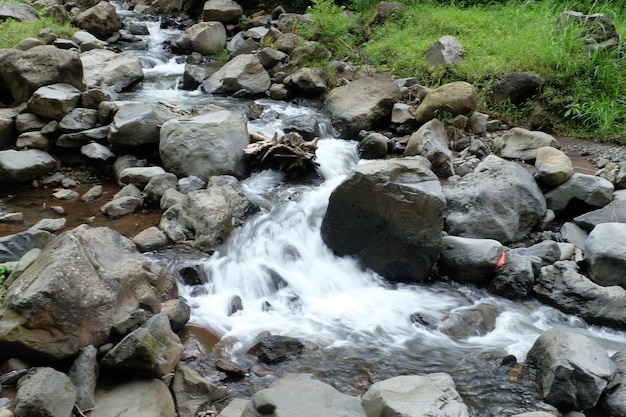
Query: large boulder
136,124
7,127
100,20
415,396
54,101
605,254
206,145
108,70
361,104
468,321
614,399
18,12
18,167
615,211
39,66
300,395
562,286
45,392
206,217
516,87
500,200
224,11
519,143
83,282
207,38
243,75
572,369
448,100
13,247
192,392
580,190
389,215
446,51
139,398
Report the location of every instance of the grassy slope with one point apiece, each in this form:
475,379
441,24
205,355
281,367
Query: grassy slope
587,96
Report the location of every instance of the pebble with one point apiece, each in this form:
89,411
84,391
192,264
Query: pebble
12,218
64,194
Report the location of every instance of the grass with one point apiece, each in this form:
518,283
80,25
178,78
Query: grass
585,94
12,32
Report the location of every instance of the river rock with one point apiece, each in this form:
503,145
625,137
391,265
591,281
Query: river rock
95,95
562,286
516,87
150,239
28,43
285,42
446,51
500,200
515,278
177,311
519,143
615,211
614,399
435,393
224,11
469,260
121,206
40,66
572,369
450,99
170,198
45,392
18,12
598,31
84,137
207,217
74,288
157,185
401,113
193,393
207,38
14,247
108,70
244,75
28,122
206,145
7,127
605,254
84,375
97,152
588,190
397,234
553,166
269,57
152,350
287,397
373,146
139,398
136,124
79,119
17,167
54,101
32,140
431,141
310,82
274,349
305,53
49,225
100,20
361,104
139,176
465,322
548,251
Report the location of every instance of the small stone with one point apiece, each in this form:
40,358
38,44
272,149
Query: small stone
68,183
12,218
58,210
93,193
63,194
49,225
55,178
150,239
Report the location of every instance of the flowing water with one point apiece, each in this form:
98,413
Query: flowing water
358,328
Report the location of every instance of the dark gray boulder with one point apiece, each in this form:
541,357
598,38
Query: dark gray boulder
13,247
580,189
615,211
516,87
139,398
274,349
572,369
100,20
514,279
469,260
397,233
605,254
465,322
192,392
45,392
613,400
136,124
84,375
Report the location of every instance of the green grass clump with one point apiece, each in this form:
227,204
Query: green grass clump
12,32
5,271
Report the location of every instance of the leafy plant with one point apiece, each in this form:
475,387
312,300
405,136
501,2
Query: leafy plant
5,271
13,32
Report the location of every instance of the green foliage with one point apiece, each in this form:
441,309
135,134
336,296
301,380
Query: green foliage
5,271
13,32
340,30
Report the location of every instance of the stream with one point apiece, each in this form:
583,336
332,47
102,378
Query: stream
357,327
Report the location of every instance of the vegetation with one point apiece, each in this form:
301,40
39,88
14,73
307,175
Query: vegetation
5,271
584,91
13,32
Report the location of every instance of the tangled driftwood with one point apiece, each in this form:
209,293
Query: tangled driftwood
291,155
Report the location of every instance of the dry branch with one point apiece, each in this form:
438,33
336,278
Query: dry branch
291,155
